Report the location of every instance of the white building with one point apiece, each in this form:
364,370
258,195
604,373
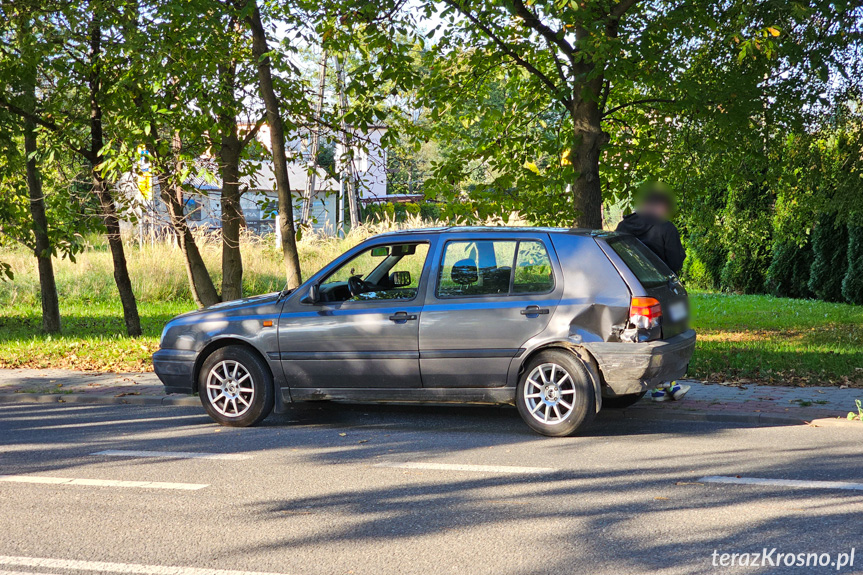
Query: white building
259,200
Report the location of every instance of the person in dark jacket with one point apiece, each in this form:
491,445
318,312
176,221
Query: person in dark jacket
650,224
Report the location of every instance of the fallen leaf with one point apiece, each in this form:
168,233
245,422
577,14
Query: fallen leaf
342,434
661,498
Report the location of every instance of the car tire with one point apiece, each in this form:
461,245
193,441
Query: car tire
555,395
236,387
621,401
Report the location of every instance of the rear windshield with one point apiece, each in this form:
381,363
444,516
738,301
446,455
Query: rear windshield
646,265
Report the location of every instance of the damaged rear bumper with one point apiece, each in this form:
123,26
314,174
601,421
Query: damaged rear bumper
634,367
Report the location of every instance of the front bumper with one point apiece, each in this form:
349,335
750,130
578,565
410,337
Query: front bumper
635,367
176,369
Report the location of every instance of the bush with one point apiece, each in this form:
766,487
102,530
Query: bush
400,212
852,284
696,273
747,228
830,259
705,256
788,274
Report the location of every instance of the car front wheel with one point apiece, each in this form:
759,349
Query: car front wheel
555,396
235,386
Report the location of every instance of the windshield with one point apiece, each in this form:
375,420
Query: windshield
646,265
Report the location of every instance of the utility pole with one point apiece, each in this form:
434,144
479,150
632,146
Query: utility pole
308,196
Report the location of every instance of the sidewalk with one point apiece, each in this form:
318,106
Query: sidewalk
759,404
756,404
68,386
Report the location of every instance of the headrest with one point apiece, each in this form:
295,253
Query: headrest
464,272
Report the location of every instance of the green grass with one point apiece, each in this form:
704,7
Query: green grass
777,340
741,338
93,336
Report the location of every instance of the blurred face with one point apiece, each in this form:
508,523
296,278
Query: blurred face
656,209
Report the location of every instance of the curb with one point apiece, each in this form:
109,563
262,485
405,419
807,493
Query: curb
182,400
732,417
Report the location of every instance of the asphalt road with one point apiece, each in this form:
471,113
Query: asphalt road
334,489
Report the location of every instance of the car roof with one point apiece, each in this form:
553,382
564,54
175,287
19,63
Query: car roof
498,229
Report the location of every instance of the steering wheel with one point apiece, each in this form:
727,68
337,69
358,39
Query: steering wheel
356,286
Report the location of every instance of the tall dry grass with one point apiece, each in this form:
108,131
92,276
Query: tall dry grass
159,274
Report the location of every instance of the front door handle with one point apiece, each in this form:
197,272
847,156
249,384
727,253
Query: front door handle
534,310
402,316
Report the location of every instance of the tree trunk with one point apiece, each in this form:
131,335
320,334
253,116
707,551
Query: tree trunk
42,247
106,200
260,49
232,215
200,282
588,143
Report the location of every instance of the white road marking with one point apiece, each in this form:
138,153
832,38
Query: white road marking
783,482
117,422
462,467
99,482
104,567
173,454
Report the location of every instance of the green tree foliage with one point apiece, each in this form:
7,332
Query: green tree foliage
562,103
852,284
788,274
830,258
747,235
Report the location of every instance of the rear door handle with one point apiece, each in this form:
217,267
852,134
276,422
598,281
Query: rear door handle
534,310
402,316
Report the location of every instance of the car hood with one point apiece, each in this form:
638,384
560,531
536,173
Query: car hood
228,306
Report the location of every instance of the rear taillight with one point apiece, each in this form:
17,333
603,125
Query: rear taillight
645,312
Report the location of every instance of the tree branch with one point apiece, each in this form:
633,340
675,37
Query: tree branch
532,21
638,102
621,7
510,52
39,120
560,71
253,132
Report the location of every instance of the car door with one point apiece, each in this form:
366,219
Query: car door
487,297
369,341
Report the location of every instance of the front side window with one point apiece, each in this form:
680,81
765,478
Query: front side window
388,272
494,268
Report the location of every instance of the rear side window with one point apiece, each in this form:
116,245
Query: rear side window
646,265
494,268
532,269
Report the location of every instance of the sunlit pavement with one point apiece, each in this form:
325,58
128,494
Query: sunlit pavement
352,489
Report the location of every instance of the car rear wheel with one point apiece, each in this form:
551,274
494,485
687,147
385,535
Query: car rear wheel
555,395
621,401
235,386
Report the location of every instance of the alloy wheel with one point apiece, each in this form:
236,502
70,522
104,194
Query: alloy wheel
549,393
230,388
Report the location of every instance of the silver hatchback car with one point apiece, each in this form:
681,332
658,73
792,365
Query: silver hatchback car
558,322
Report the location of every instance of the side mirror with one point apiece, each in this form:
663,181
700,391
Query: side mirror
400,279
312,296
